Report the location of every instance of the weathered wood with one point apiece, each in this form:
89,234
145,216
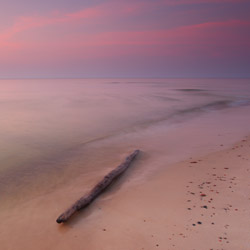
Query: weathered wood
87,199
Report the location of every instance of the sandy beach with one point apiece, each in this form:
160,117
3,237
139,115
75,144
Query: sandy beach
200,203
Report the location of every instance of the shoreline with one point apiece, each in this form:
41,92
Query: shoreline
200,203
148,208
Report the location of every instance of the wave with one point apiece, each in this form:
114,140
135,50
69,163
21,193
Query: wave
212,106
176,116
190,90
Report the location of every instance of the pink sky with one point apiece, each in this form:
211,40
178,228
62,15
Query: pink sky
162,38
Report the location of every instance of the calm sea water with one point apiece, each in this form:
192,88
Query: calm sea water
52,130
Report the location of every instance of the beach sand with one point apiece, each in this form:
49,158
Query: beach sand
200,203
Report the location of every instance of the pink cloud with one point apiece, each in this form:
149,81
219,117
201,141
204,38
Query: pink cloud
109,10
205,37
204,33
30,22
212,32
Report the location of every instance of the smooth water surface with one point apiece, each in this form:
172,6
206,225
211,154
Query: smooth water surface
44,122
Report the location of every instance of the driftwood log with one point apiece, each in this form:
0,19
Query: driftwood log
105,182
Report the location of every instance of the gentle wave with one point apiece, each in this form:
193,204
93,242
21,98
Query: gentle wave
176,116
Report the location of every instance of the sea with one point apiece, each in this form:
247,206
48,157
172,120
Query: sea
54,132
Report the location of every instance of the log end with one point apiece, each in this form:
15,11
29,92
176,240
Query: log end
61,219
134,154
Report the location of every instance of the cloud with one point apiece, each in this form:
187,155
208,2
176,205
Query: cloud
26,23
225,32
18,42
205,38
109,10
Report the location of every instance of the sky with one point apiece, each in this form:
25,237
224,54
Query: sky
129,38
